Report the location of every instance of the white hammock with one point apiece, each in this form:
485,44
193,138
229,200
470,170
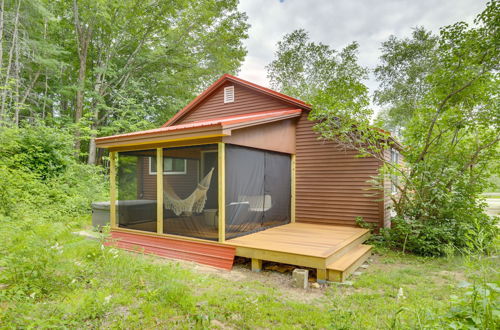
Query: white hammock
194,203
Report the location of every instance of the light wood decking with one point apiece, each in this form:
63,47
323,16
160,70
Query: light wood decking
335,251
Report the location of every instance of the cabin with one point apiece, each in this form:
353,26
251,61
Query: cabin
240,172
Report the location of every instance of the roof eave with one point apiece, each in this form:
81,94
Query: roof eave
162,137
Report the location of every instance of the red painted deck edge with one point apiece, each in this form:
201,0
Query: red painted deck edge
211,254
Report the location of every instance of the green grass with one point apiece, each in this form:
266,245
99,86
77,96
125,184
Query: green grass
95,287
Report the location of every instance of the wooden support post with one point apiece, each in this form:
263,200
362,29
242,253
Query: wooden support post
222,191
159,190
292,193
321,275
112,189
256,265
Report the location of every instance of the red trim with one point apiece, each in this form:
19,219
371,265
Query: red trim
212,254
222,121
228,77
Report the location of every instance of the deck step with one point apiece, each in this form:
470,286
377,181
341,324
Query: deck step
339,270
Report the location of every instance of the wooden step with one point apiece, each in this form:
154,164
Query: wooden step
339,270
347,247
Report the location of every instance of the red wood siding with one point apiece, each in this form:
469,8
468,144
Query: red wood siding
212,254
332,185
245,101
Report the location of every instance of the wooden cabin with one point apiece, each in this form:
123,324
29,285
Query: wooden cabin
240,172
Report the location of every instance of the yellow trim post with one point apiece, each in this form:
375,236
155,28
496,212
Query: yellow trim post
293,185
112,189
159,190
222,191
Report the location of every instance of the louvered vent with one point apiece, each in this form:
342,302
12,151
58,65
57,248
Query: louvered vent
229,94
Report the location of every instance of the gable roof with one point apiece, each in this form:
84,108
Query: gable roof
225,78
217,126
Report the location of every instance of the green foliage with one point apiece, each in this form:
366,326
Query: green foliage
477,308
402,74
38,175
329,80
107,67
39,149
440,93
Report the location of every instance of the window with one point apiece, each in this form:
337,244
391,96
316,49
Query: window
394,156
394,178
170,165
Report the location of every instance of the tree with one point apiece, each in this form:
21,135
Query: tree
451,128
402,75
112,66
319,75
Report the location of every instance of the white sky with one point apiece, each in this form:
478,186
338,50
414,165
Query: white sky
339,22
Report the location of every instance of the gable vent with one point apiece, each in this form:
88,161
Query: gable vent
229,94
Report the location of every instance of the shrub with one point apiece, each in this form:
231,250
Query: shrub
41,150
39,177
44,192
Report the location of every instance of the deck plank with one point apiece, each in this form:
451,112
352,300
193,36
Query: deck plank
301,238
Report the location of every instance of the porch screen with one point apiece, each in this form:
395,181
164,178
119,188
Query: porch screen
136,200
258,188
190,191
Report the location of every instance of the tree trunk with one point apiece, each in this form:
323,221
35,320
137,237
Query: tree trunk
2,6
9,64
83,35
79,102
17,103
92,150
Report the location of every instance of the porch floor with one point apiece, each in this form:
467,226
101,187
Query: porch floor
333,250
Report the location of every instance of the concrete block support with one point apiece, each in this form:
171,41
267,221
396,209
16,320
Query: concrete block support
300,278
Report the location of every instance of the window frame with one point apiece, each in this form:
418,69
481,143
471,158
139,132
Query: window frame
151,172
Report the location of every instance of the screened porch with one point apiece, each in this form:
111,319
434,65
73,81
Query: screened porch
213,191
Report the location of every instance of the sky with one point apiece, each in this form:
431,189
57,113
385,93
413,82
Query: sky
339,22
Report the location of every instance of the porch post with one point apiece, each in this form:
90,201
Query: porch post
292,187
159,190
222,191
112,189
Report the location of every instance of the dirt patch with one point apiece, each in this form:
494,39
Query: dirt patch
273,275
445,276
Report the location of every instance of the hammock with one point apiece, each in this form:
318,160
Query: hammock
194,203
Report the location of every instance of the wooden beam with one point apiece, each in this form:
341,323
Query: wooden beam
293,185
168,144
112,189
321,275
159,190
256,265
277,256
222,191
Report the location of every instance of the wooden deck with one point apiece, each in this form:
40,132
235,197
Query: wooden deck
335,251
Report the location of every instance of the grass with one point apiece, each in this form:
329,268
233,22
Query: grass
106,288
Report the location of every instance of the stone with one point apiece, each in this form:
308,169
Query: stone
300,278
315,285
365,266
357,273
400,294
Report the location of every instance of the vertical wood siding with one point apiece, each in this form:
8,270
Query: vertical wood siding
332,185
